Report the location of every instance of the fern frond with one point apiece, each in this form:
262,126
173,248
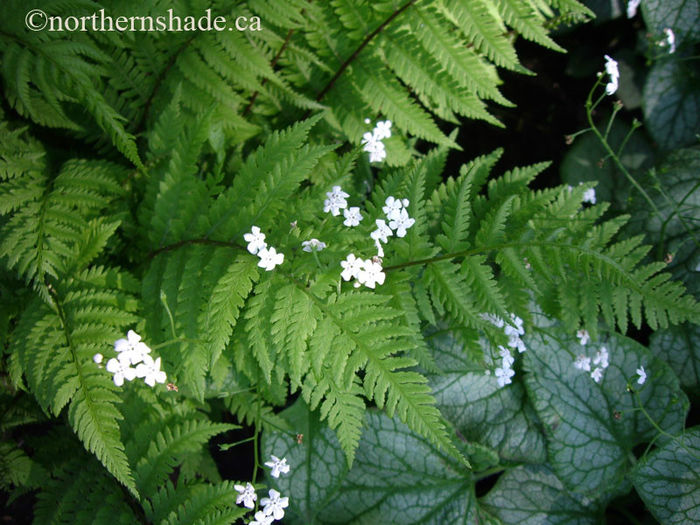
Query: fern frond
167,448
55,344
46,231
80,492
188,504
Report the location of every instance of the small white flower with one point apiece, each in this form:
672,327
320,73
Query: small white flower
313,245
382,233
589,196
612,70
247,495
351,267
269,258
583,337
642,375
375,147
255,240
120,370
597,374
131,350
150,371
401,223
382,130
507,358
97,358
392,208
516,328
583,363
514,341
378,154
352,216
278,466
503,376
335,201
371,274
367,121
670,40
274,505
380,250
601,358
262,519
632,6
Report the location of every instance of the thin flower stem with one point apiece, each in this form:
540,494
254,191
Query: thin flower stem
256,435
616,110
628,136
659,429
609,150
318,262
228,446
175,340
170,315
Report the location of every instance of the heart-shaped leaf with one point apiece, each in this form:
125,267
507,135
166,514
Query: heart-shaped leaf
397,476
533,494
481,410
668,480
592,428
671,103
679,346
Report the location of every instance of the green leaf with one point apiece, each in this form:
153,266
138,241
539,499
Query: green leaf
668,480
483,412
671,103
679,346
679,15
397,477
592,428
674,188
318,464
532,494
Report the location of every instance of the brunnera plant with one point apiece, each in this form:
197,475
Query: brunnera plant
217,206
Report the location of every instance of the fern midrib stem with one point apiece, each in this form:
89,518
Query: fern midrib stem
275,59
329,85
438,258
159,81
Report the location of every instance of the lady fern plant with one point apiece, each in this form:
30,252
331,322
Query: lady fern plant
180,144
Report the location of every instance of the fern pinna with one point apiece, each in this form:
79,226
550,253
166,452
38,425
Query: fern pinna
181,144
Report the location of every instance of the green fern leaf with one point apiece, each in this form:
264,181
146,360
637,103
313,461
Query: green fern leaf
167,448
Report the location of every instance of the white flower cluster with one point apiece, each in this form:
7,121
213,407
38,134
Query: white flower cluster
514,330
614,74
505,371
669,41
632,6
269,258
273,506
369,271
600,361
336,201
364,271
133,351
372,141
